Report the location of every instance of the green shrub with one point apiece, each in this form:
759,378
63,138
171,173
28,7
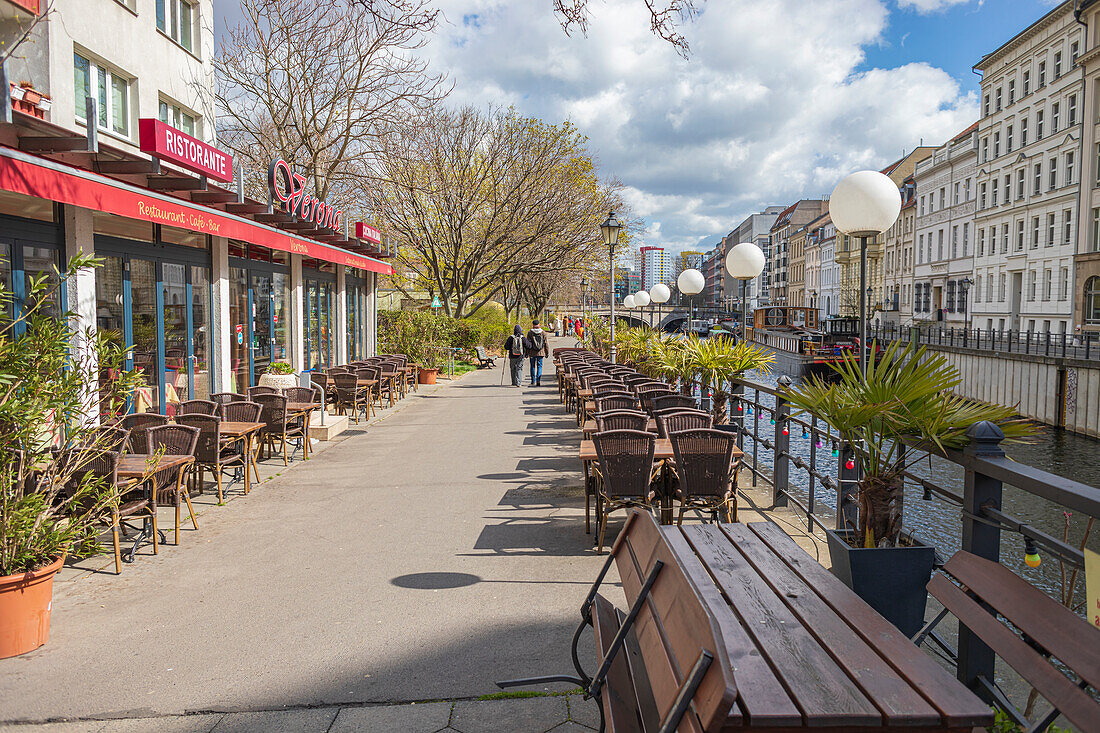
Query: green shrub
280,367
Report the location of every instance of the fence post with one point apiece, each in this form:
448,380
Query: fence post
737,411
847,505
782,462
984,540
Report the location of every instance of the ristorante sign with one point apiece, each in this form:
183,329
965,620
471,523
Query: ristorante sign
168,143
289,188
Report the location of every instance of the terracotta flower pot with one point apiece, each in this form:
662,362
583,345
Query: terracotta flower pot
426,376
25,603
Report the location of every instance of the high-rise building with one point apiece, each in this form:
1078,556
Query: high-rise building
654,266
1029,162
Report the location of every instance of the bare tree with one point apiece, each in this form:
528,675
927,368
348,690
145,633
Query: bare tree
322,89
21,29
475,201
664,19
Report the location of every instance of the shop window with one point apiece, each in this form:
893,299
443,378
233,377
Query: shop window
26,207
121,227
187,238
111,90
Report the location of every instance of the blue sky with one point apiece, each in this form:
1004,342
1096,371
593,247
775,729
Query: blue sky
778,101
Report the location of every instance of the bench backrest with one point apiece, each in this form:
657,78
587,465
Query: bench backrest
673,627
1048,625
480,351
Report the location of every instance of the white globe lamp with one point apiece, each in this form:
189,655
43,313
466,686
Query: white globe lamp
641,299
628,301
660,293
745,261
864,204
691,282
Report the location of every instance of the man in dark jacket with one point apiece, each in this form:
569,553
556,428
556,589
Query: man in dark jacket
516,346
537,347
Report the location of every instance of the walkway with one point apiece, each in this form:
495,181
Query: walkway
419,559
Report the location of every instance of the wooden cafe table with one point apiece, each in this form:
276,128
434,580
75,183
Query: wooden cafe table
136,467
589,427
245,432
304,409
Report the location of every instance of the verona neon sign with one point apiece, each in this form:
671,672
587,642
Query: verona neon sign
289,188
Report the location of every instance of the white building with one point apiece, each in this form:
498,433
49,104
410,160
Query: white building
828,277
655,266
1029,163
943,273
754,228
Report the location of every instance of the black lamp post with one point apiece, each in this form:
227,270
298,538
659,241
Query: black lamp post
610,232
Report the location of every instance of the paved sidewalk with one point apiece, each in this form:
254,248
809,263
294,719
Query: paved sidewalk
419,558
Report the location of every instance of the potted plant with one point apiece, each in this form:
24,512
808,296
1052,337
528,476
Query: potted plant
716,362
49,508
280,375
905,399
429,359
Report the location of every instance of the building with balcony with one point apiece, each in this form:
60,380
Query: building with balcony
942,277
754,228
898,259
1029,161
787,222
1086,282
654,265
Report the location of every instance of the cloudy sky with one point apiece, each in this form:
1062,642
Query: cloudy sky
778,99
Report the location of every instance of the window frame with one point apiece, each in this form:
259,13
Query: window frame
99,72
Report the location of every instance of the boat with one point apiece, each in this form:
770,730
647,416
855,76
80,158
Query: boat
803,344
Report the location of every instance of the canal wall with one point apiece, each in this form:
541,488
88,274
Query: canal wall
1059,391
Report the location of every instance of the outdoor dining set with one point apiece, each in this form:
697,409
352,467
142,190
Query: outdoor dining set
153,459
645,445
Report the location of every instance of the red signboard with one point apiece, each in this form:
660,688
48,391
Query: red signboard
168,143
367,232
31,6
100,194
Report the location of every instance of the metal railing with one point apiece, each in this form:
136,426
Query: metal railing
1085,346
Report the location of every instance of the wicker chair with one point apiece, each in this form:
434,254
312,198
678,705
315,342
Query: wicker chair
619,401
253,391
375,390
350,395
626,473
647,395
210,454
706,472
128,504
302,394
225,398
168,483
273,415
198,407
108,438
241,412
323,382
674,400
675,422
138,424
621,420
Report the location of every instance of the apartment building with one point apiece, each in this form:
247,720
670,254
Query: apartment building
754,228
654,266
813,288
1029,162
111,149
898,260
787,222
1086,282
828,292
796,268
943,275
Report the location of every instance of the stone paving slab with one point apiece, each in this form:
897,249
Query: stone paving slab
426,718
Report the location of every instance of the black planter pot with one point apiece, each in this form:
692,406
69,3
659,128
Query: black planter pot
891,579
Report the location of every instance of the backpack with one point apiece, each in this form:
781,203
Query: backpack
536,342
515,345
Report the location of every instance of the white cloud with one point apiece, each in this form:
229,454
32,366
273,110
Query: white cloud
929,6
768,108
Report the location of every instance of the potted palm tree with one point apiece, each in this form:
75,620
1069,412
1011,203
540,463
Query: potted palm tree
50,386
905,399
716,362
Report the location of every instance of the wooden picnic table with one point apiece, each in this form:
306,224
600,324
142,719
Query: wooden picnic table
589,427
803,649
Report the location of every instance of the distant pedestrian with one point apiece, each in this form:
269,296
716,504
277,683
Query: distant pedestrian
578,328
537,348
514,347
557,325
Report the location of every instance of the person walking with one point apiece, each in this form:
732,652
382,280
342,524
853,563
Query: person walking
537,347
514,346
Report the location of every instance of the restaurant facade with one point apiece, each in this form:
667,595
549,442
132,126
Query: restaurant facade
206,287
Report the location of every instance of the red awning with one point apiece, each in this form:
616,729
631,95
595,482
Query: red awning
47,179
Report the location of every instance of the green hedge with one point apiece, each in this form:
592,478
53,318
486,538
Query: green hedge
425,337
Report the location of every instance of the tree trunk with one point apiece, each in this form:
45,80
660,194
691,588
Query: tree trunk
880,502
720,406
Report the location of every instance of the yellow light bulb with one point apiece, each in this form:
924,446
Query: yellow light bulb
1032,559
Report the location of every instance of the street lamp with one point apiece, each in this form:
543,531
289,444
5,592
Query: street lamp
744,262
628,302
641,299
864,204
965,284
691,282
610,232
659,294
584,320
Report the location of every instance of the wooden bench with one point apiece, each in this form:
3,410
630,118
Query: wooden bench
987,592
660,665
483,358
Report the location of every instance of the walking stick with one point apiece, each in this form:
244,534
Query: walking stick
502,368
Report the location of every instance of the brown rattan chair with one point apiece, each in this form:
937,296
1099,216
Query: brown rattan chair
225,398
625,472
241,412
138,423
706,472
210,453
253,391
375,390
619,401
276,425
350,395
323,382
621,420
679,420
198,407
108,438
302,394
168,483
673,400
647,395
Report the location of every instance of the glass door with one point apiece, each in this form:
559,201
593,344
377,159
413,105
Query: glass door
144,332
178,375
263,309
319,323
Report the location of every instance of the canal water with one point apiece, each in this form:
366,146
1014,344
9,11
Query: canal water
937,521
